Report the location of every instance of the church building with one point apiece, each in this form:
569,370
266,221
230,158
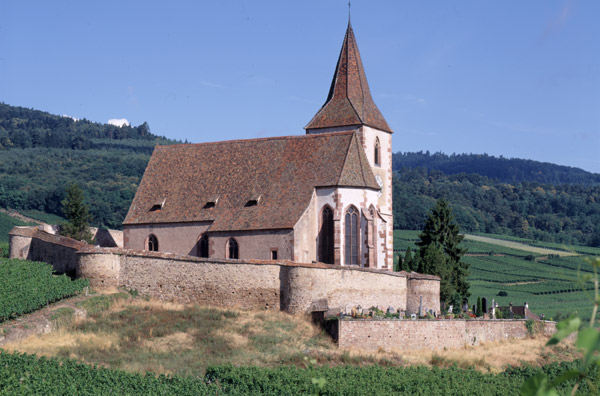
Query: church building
325,196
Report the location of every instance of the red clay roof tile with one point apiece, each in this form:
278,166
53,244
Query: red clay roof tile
282,171
349,102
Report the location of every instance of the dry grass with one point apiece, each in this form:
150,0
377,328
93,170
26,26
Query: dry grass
147,335
494,356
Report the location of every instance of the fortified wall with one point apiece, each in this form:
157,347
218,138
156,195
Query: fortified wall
284,285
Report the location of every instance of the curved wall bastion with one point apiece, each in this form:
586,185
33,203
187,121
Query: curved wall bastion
272,284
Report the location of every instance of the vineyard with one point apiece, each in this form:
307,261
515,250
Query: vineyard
29,375
27,286
550,284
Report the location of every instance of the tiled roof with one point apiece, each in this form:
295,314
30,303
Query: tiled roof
280,173
349,101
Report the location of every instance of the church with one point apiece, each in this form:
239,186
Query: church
324,196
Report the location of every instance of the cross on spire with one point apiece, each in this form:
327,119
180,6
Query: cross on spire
349,5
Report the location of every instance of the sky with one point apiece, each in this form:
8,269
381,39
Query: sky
513,78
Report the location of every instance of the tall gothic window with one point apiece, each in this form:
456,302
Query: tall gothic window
326,236
152,243
377,152
203,246
232,249
351,236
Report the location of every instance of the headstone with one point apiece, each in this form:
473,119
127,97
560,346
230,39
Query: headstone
465,307
390,310
420,306
474,308
413,316
493,309
450,308
484,305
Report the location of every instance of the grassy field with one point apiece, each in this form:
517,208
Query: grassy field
6,224
47,218
552,286
139,335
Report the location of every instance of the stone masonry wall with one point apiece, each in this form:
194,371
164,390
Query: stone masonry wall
420,285
281,284
33,244
343,288
224,283
403,335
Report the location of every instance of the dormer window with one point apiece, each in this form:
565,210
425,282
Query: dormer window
253,201
211,202
157,206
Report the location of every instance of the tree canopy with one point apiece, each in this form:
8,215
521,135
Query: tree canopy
440,252
76,211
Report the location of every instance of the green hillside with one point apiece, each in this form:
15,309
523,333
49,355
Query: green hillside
41,154
563,213
551,285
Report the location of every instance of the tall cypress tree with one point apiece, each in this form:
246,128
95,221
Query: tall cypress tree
440,252
408,260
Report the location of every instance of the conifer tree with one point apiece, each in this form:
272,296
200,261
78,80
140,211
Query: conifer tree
440,252
76,211
399,265
408,260
479,311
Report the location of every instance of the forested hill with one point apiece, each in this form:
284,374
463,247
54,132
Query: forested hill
566,213
25,128
507,170
41,154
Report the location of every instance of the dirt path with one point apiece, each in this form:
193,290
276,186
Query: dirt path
518,245
21,217
39,321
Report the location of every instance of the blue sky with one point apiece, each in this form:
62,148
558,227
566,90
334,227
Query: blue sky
513,78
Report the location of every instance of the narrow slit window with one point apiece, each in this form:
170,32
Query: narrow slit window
274,254
377,152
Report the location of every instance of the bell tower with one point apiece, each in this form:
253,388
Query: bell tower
350,107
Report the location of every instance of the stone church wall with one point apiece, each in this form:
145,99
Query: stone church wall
404,335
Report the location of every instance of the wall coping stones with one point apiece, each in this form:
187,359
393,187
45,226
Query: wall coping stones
35,232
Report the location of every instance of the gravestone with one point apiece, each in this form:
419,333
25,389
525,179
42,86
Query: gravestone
484,305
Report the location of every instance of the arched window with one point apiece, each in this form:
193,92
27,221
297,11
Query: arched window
326,236
377,152
203,246
152,243
232,249
351,236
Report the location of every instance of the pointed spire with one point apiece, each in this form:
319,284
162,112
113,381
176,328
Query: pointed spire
349,101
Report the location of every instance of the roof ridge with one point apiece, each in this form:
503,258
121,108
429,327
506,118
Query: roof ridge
339,178
304,136
362,168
